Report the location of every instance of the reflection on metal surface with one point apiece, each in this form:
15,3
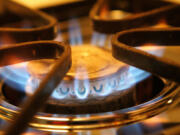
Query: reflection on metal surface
114,14
174,1
162,23
44,3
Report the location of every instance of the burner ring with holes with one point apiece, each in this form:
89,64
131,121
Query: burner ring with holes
144,107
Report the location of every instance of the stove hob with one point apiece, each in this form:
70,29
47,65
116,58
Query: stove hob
147,98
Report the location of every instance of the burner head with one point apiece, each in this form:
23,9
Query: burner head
94,72
88,62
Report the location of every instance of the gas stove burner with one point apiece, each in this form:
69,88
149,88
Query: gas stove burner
98,91
89,63
93,74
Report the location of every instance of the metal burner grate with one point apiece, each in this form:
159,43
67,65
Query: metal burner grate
105,92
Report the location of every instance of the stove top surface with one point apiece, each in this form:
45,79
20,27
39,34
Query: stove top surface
77,31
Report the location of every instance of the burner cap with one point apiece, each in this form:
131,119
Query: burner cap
94,72
88,62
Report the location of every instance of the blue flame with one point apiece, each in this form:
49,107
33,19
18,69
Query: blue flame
81,87
59,36
98,39
61,92
101,39
75,32
133,77
15,77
